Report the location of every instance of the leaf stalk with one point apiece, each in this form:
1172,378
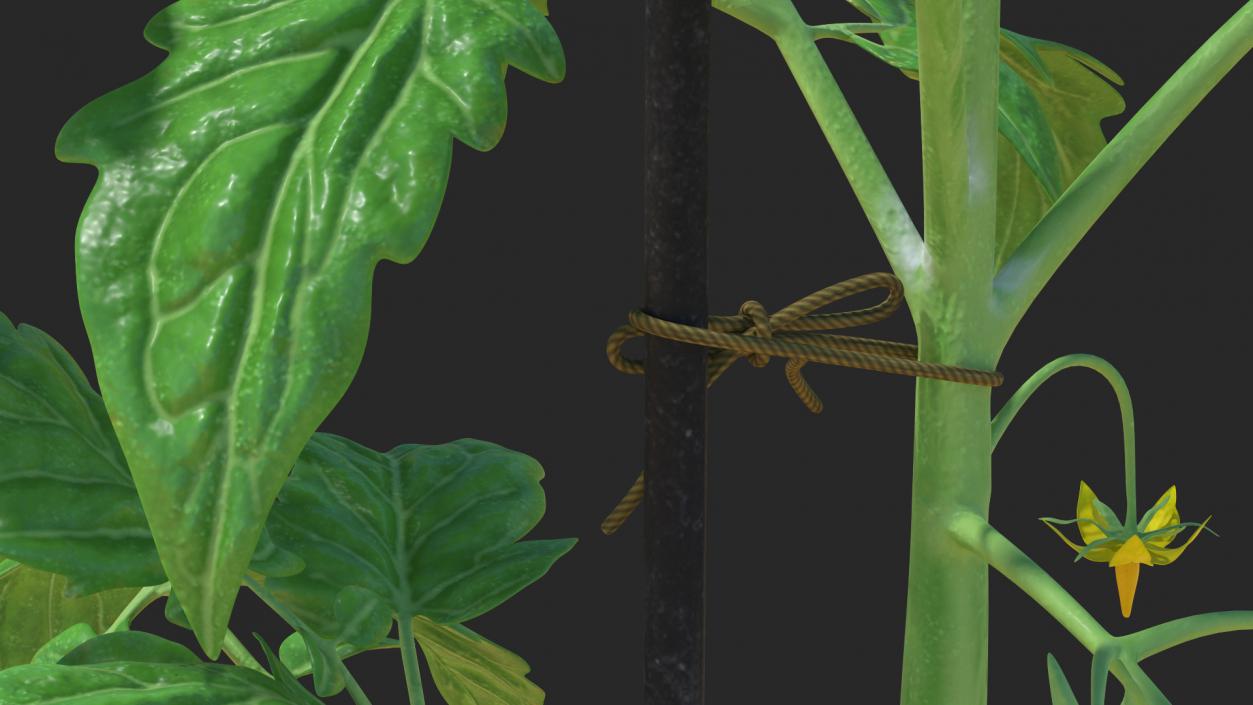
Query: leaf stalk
1030,267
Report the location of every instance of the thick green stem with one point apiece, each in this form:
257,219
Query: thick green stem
142,599
1106,370
870,183
946,614
1026,272
409,656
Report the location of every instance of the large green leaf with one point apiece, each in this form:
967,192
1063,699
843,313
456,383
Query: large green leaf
429,531
67,501
248,187
68,504
128,683
34,610
1050,105
470,670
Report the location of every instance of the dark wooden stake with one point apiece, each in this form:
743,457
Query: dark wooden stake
676,105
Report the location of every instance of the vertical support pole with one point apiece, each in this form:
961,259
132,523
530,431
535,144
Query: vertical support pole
676,104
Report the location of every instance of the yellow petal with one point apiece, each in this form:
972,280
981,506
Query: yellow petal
1133,551
1127,575
1166,513
1100,554
1166,556
1086,509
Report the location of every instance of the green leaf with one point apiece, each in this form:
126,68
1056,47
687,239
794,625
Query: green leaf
1021,120
128,646
284,678
140,684
63,643
1049,108
1074,100
34,611
470,670
58,451
428,530
296,654
1059,689
249,185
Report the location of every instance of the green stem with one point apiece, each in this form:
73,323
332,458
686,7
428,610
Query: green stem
1155,640
1106,370
870,183
312,640
142,599
947,596
1030,267
409,656
239,653
974,533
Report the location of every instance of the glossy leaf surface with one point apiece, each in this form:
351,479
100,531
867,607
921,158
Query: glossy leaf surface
1050,104
141,684
429,531
470,670
34,610
248,187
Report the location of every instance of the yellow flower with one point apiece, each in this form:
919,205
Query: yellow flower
1126,547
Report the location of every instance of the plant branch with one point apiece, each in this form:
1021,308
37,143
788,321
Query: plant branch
142,599
312,640
974,533
898,236
409,656
1110,373
1154,640
1029,268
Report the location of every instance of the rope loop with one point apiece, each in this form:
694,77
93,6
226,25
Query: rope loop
794,333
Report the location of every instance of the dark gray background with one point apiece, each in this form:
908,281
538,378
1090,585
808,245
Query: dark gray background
808,515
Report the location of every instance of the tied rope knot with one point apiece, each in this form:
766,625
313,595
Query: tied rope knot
794,333
755,312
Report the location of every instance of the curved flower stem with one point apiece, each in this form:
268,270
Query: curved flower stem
1007,413
142,599
239,653
1154,640
409,656
311,638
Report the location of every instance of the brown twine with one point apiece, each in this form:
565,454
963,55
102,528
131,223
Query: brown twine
791,333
